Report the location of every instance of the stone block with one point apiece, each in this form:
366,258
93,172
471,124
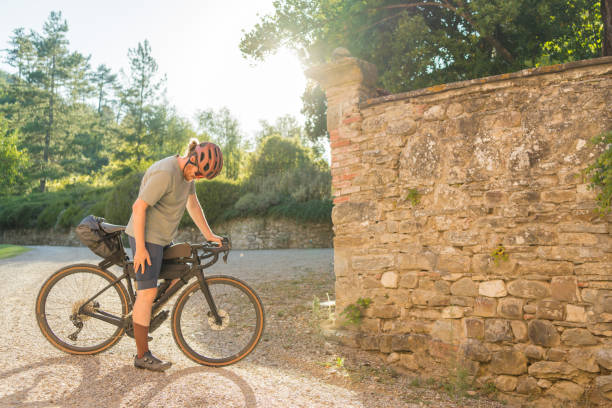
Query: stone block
484,306
511,362
384,343
383,311
447,331
415,261
438,300
409,280
578,337
436,112
473,328
494,288
565,288
527,385
407,360
511,308
409,342
393,358
549,309
566,391
519,329
442,286
372,263
389,280
497,330
421,297
462,301
475,350
555,354
452,312
505,383
529,289
553,369
547,268
534,352
583,360
464,287
604,357
559,196
451,263
369,343
542,332
582,239
603,384
575,314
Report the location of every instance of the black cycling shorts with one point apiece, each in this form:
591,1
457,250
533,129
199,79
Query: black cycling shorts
148,279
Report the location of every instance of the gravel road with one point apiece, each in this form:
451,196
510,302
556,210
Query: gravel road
293,366
33,373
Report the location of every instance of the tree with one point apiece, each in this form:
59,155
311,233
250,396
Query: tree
606,18
102,80
12,161
140,94
416,44
45,67
224,130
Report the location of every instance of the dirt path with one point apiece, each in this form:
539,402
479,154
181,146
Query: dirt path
294,366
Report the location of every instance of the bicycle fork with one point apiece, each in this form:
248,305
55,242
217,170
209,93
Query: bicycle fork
211,303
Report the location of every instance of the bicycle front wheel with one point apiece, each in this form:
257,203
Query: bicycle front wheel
62,296
205,341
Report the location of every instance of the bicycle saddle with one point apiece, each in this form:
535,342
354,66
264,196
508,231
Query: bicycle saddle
110,228
181,250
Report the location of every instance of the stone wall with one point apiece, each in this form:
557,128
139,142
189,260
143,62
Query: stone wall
250,233
461,211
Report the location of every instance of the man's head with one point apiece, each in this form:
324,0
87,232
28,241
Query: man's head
206,157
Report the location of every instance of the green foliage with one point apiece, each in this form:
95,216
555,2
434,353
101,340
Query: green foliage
12,161
499,254
120,199
9,251
215,196
56,209
353,313
419,44
85,139
413,196
600,172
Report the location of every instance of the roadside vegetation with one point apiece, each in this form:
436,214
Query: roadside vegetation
9,251
76,140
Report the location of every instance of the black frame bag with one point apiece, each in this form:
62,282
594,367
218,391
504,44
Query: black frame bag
100,242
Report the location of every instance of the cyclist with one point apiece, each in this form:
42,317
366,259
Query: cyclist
167,188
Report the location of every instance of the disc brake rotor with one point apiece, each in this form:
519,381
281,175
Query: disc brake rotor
224,320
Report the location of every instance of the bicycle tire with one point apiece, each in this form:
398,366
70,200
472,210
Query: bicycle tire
207,343
65,282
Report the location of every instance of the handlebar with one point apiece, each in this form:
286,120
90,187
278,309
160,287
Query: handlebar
214,249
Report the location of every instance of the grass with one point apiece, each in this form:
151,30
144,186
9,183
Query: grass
9,251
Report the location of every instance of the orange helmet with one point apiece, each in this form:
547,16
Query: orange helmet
208,159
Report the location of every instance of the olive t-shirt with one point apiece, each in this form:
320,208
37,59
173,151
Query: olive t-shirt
165,190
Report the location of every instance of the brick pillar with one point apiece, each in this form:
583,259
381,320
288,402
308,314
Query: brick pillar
347,81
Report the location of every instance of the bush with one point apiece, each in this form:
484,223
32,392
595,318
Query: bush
63,209
118,207
216,197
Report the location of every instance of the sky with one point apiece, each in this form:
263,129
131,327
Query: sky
195,43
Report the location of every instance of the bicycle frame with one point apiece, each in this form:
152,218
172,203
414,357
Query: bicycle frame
196,270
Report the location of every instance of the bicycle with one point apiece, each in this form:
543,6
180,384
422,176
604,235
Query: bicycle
216,321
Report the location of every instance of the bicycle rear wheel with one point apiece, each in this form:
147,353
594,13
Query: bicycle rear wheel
201,338
60,299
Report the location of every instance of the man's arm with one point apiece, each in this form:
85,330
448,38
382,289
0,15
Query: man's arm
197,215
141,255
